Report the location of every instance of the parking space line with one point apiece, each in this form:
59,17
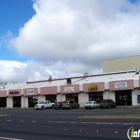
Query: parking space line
34,121
73,122
60,122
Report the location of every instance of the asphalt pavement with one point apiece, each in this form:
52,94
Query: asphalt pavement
49,124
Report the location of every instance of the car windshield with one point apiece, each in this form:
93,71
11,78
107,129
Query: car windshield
65,102
89,103
103,101
41,102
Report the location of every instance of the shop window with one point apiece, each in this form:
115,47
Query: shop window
123,97
32,101
72,97
3,102
51,98
96,96
138,98
16,101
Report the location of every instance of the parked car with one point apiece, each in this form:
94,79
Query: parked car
43,105
70,104
91,104
107,103
53,104
57,105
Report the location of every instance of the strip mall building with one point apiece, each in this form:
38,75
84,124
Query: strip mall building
123,87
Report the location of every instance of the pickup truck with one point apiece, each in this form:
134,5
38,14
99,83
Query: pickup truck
43,105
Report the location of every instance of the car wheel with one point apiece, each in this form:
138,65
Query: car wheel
109,107
71,107
42,107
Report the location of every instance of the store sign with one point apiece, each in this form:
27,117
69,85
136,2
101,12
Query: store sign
13,92
69,89
30,92
121,85
92,87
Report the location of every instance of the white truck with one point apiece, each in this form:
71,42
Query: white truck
44,105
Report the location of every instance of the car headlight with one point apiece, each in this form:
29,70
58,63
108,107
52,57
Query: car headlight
37,106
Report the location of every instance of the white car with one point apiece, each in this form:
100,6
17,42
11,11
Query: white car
43,105
91,104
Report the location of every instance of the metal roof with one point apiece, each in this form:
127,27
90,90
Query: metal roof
75,80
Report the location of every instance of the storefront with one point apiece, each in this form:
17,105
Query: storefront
50,93
16,95
16,101
3,99
71,92
32,95
51,98
123,92
94,90
123,88
32,101
96,96
3,102
72,97
123,97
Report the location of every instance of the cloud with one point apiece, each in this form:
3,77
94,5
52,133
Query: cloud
14,71
11,71
17,72
73,37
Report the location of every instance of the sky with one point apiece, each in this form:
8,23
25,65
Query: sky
65,38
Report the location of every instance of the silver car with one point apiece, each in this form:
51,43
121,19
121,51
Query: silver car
91,104
70,104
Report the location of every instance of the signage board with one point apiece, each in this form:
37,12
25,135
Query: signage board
69,89
92,87
121,85
13,92
30,91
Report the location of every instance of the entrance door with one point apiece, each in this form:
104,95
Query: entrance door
51,98
72,97
96,96
32,101
3,102
16,101
123,97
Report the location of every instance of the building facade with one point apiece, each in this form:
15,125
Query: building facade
121,64
122,87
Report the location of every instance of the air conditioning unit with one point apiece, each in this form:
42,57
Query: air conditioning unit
68,80
137,71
